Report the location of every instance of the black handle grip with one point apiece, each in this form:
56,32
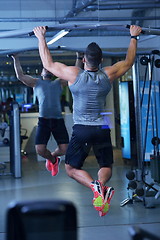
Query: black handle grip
32,33
128,26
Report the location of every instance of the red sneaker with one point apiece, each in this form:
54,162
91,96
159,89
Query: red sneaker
98,198
108,194
48,165
55,167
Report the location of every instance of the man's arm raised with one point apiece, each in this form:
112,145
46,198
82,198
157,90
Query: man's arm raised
26,79
121,67
68,73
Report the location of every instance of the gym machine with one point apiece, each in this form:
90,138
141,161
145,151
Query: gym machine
14,142
146,176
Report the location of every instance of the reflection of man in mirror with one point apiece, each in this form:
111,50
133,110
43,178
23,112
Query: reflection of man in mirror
65,104
50,121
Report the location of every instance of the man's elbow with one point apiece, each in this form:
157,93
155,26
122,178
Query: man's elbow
20,77
130,65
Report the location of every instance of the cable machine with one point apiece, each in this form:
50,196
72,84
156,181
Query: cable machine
146,176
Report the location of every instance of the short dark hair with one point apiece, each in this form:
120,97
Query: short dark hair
93,54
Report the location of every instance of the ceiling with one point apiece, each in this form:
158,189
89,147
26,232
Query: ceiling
84,17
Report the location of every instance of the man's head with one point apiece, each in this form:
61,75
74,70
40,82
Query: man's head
93,55
46,74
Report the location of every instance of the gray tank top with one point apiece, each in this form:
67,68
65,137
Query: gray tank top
89,93
48,94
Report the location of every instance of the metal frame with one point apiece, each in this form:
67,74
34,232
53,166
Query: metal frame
106,27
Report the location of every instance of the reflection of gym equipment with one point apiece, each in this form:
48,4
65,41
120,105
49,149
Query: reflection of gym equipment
39,220
15,142
4,140
5,136
4,133
137,178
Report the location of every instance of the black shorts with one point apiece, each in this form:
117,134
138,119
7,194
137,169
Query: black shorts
46,127
83,138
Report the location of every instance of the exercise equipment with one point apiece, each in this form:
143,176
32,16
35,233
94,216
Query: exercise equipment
135,189
133,196
43,219
107,27
54,28
139,192
157,63
155,158
130,175
144,60
144,184
132,185
4,133
151,105
148,31
14,143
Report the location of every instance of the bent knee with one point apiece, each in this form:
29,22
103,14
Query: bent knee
40,149
69,170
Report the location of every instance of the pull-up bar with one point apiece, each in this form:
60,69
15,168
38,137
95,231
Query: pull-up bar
106,27
148,31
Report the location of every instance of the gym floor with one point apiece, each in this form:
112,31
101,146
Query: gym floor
37,184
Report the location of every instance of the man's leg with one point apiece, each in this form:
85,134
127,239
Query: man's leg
42,137
78,150
84,178
104,174
79,175
42,150
52,161
61,137
60,150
